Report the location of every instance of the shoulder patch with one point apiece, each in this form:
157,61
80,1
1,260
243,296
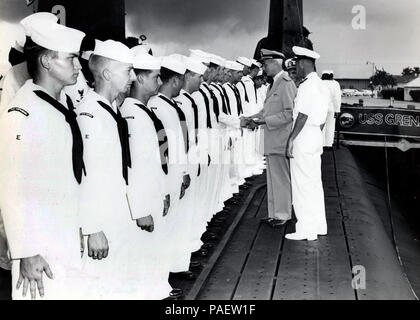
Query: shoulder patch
86,114
24,112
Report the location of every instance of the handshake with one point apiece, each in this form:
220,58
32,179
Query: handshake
250,122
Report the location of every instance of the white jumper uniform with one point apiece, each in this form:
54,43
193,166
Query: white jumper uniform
178,166
146,197
104,206
40,207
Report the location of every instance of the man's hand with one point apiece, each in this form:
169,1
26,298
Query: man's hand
252,125
98,246
166,204
289,149
146,223
31,270
244,122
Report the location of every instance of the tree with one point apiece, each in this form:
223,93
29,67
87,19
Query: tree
408,71
382,78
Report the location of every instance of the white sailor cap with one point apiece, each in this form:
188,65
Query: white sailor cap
20,38
233,65
56,37
195,65
204,57
217,60
139,49
256,63
145,61
174,63
328,72
290,63
244,61
35,18
86,54
271,54
302,53
113,50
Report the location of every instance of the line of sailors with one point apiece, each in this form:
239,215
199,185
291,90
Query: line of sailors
109,198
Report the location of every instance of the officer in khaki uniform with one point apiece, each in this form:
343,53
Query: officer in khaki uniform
277,119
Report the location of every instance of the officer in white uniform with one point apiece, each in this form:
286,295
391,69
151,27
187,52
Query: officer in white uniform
42,167
304,148
148,202
334,107
112,236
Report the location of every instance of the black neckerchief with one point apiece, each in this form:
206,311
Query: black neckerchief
246,94
224,106
182,120
207,103
160,131
70,116
195,108
227,100
215,102
123,134
238,99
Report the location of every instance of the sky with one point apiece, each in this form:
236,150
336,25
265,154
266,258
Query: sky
233,27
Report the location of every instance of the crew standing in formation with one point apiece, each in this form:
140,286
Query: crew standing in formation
111,188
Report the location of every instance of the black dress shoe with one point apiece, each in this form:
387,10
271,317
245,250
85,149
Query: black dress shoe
278,223
195,265
227,209
200,253
266,220
232,201
176,291
218,219
207,246
214,229
184,275
175,294
209,236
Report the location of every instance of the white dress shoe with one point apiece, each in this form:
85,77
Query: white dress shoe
297,236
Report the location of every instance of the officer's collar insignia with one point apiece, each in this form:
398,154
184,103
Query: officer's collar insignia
24,112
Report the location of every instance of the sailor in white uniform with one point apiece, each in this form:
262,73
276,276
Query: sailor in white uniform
18,74
192,204
42,167
178,180
334,107
248,93
304,148
113,250
214,141
208,127
148,202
